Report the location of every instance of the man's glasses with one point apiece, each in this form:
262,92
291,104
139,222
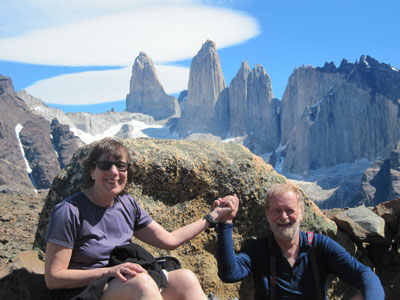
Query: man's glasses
105,165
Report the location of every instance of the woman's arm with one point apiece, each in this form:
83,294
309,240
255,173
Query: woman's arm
57,274
154,234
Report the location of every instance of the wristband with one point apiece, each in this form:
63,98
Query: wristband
209,218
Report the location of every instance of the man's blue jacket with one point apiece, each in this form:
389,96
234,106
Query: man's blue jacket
296,282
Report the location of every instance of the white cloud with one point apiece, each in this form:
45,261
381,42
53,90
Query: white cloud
102,86
112,33
165,32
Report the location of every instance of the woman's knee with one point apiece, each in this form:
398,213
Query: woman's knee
143,283
138,287
184,277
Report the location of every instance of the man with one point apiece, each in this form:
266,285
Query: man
281,263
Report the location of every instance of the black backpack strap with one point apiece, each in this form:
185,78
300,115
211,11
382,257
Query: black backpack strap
272,273
314,265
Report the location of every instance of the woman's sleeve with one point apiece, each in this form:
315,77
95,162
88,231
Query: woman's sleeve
142,218
64,225
231,267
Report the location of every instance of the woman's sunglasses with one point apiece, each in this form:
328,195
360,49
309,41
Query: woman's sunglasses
106,165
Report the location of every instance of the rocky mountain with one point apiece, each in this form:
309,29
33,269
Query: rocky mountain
335,115
146,94
204,109
89,126
329,119
253,111
380,182
32,151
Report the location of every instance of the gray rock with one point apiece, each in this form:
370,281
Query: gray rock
205,103
31,145
380,182
146,94
64,142
332,116
252,109
363,225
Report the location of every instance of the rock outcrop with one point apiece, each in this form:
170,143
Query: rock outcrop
64,142
205,103
337,115
28,160
381,182
146,94
253,111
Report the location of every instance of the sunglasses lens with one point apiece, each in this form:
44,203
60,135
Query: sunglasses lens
105,165
121,166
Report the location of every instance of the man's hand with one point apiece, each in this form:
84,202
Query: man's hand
225,209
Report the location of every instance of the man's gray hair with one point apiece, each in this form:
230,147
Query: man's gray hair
284,188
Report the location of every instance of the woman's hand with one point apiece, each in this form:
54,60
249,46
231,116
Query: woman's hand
225,209
358,296
126,269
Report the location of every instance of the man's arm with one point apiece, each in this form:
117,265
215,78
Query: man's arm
231,267
351,270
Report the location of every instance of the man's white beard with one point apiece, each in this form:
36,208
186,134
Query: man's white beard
287,232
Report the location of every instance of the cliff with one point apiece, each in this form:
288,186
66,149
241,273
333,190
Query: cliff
146,94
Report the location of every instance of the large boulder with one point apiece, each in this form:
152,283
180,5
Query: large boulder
176,182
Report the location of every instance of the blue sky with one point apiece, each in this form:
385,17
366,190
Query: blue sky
77,55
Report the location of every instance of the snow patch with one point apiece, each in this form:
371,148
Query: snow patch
18,129
139,129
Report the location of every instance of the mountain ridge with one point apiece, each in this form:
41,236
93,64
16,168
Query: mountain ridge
328,115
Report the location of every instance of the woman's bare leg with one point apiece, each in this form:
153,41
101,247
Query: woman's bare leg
183,285
140,287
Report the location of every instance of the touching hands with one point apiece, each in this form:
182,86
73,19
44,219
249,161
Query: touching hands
225,209
126,269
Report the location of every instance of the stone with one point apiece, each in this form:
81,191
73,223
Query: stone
28,160
64,141
329,118
253,110
363,225
146,94
390,212
205,103
381,182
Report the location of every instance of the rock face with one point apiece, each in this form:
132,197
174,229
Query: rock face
252,109
381,182
64,142
93,124
336,115
176,182
146,95
328,117
28,160
205,102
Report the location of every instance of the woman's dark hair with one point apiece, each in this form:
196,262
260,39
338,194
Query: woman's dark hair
111,148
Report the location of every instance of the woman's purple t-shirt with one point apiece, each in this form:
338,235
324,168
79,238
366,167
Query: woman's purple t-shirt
92,231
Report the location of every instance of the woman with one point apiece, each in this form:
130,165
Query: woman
86,226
